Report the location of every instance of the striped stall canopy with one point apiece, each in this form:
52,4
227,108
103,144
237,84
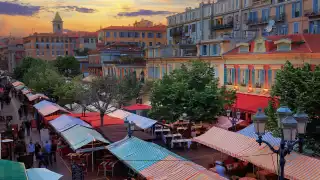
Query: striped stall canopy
298,166
26,90
155,162
249,132
120,114
17,83
19,87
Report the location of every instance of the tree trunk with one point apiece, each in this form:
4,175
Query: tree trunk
101,118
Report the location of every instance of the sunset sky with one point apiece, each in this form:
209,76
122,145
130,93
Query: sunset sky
20,17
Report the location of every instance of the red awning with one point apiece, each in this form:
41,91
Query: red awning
137,107
250,103
107,120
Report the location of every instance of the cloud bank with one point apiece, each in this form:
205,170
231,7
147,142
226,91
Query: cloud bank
143,12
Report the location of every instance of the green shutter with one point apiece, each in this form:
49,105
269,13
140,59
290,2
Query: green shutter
225,75
253,78
262,77
233,72
239,77
247,76
269,78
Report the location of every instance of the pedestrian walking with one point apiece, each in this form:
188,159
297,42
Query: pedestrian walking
31,148
43,160
25,110
47,147
54,150
21,132
20,113
28,127
37,149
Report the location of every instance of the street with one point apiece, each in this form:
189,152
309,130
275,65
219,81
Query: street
12,110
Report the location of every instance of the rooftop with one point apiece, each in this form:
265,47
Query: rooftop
57,18
300,43
132,28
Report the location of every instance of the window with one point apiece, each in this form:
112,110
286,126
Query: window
186,29
245,3
204,50
59,27
37,52
115,34
150,35
253,16
283,30
42,53
131,34
296,9
92,40
57,53
37,46
283,47
229,76
143,34
193,28
52,53
42,40
237,4
136,34
123,34
243,76
243,49
67,53
159,35
265,15
107,34
48,46
295,27
150,43
215,49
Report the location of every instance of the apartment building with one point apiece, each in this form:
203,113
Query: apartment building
142,34
49,46
117,59
11,53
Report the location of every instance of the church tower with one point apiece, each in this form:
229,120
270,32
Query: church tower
57,24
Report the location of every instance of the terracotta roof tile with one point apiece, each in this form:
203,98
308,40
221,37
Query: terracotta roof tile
132,28
309,44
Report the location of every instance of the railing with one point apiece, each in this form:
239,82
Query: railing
261,2
222,26
311,14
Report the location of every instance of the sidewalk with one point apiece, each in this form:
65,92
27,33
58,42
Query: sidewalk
12,110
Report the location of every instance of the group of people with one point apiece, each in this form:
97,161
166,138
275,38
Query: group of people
25,126
46,154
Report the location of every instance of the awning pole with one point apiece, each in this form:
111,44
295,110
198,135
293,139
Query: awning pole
92,157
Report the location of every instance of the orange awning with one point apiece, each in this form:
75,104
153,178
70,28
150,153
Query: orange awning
95,121
50,118
298,166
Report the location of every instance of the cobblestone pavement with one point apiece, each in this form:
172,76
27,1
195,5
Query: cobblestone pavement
12,110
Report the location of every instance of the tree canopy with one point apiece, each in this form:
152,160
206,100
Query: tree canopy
67,93
106,92
68,66
300,88
25,65
192,89
43,78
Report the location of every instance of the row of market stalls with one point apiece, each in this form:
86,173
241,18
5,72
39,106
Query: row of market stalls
242,145
31,96
17,170
144,158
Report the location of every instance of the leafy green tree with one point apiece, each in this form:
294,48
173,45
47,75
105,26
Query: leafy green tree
68,66
272,123
67,92
43,78
300,88
25,65
193,90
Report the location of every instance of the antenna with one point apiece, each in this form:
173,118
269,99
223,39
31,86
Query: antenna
269,26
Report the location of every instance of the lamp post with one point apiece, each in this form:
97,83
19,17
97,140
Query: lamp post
290,125
234,117
130,127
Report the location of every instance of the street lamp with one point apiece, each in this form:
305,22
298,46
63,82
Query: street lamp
234,117
290,125
130,126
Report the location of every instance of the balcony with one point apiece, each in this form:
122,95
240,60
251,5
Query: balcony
260,2
260,21
281,18
311,14
222,26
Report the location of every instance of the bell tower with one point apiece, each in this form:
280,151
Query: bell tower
57,24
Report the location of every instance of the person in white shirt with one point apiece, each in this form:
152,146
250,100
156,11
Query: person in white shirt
31,148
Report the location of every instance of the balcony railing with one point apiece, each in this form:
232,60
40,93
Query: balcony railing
260,2
222,26
311,14
263,21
